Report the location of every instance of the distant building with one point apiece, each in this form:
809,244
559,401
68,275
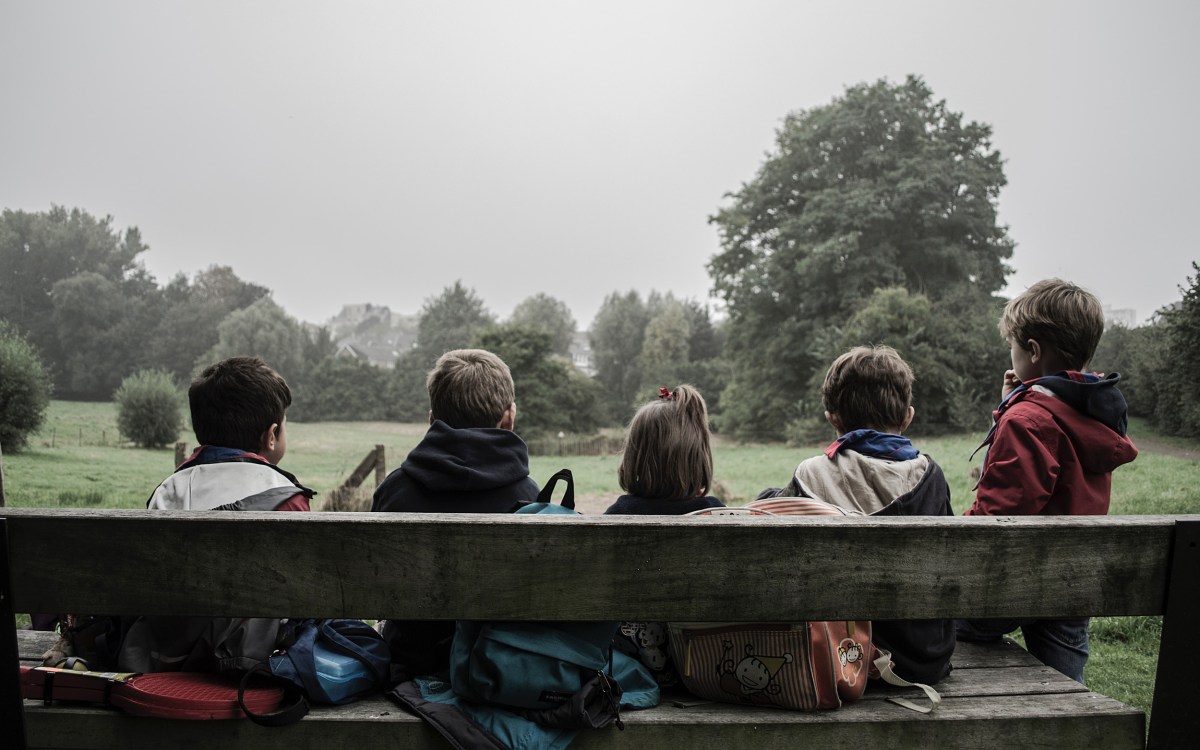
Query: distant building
581,353
373,333
1123,317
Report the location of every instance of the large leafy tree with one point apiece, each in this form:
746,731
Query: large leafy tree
551,396
617,335
54,266
192,310
883,187
1177,399
451,320
263,330
549,315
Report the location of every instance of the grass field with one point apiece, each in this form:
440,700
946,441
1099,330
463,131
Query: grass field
77,461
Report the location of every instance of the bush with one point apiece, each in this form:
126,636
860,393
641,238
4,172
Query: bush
24,389
148,408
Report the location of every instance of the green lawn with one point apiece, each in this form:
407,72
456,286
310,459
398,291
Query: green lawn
76,460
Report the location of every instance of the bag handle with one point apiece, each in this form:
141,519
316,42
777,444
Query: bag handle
546,495
295,705
883,663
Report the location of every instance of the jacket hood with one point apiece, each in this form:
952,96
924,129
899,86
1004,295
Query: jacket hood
1090,409
1092,395
471,459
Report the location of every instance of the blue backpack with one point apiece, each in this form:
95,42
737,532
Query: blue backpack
322,661
558,674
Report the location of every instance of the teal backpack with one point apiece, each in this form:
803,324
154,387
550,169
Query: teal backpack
559,674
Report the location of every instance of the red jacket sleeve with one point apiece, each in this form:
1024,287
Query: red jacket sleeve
1021,469
295,502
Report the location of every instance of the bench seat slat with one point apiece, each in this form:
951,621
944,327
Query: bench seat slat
1066,720
768,569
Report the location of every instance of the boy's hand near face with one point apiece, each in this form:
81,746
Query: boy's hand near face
1011,381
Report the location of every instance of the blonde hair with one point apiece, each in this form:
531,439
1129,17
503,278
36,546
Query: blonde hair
667,450
869,387
469,388
1059,315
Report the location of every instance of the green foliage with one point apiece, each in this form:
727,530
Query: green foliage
24,389
544,313
102,325
187,327
450,321
407,399
1141,357
884,187
341,389
617,335
149,408
262,330
74,286
952,345
1177,407
551,397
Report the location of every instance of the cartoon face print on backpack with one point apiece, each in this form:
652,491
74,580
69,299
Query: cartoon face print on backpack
850,656
651,641
751,678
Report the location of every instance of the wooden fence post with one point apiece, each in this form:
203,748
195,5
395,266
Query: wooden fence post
380,466
180,453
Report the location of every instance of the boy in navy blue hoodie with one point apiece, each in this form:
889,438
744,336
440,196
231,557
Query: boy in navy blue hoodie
470,461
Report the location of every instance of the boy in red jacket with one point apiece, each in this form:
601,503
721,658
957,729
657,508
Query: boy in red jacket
1057,436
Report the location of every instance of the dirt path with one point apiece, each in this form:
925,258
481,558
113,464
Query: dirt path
1151,444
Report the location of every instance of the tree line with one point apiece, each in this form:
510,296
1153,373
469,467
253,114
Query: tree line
872,220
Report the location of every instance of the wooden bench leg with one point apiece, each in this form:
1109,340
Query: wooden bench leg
12,710
1174,720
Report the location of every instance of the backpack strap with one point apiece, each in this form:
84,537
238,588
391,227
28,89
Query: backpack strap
546,495
294,705
883,663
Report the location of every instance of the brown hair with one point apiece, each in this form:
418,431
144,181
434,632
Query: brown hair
667,453
234,401
470,388
1059,315
868,387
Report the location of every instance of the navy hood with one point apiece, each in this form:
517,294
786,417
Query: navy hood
467,460
1092,395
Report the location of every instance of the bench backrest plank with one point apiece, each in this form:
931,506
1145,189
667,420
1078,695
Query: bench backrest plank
479,567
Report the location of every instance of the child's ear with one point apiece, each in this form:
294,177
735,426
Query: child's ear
1035,351
509,420
266,441
834,421
907,420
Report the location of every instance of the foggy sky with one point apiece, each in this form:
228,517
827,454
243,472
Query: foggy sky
377,151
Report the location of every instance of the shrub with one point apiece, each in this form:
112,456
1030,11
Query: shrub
24,389
148,408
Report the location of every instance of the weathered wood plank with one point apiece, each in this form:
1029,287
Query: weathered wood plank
709,569
999,669
1072,720
1006,653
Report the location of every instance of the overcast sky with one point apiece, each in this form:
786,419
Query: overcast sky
347,152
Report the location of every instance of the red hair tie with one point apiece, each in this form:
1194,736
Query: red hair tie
666,394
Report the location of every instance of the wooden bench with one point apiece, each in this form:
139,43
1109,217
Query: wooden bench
587,568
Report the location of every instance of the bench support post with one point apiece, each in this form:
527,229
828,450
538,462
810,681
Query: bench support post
12,710
1174,721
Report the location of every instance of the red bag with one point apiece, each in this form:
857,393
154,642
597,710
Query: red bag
167,695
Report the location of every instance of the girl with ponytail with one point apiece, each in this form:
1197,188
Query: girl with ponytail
666,467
